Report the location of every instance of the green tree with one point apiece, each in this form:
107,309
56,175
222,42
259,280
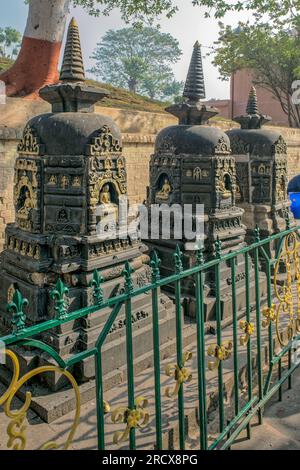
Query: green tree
279,12
139,59
273,57
136,11
174,90
10,40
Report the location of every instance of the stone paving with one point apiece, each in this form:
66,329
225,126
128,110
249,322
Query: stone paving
281,426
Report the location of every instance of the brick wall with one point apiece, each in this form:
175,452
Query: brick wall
8,145
292,138
137,149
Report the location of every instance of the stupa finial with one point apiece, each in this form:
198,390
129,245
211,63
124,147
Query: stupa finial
253,119
192,111
72,94
252,106
194,88
72,68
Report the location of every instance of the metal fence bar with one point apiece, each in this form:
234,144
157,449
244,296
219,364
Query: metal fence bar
156,354
179,346
201,355
258,327
99,401
249,342
219,336
129,349
235,337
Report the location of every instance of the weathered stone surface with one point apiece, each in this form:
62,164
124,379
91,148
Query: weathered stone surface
70,175
193,165
262,173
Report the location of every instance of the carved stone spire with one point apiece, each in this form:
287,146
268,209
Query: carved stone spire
72,94
192,111
72,68
252,106
194,88
253,119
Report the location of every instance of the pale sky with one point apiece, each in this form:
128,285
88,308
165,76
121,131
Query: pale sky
188,25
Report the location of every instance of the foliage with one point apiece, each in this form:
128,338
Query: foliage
174,90
136,11
139,59
10,41
274,58
5,63
279,12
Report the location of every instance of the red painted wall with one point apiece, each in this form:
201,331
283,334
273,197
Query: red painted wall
240,85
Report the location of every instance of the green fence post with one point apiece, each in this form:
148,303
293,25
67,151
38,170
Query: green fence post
201,352
258,325
179,313
218,249
127,273
155,264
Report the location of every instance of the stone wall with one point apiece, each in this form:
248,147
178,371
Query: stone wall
292,138
137,151
8,144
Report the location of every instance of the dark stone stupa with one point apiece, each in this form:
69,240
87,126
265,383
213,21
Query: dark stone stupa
261,162
70,176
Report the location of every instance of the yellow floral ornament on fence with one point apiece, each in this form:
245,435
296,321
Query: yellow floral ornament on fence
16,429
221,353
286,292
135,418
248,329
180,374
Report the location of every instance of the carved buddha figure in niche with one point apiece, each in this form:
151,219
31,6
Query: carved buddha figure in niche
105,197
108,209
281,189
62,216
164,193
25,202
225,187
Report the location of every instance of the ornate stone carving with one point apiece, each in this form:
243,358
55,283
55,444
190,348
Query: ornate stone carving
166,147
62,216
103,143
25,192
222,147
199,173
30,144
238,146
76,182
225,181
64,182
165,190
280,147
52,180
109,171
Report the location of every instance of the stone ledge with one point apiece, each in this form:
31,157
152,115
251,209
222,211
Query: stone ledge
10,133
139,138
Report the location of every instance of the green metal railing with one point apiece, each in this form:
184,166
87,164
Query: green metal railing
263,324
